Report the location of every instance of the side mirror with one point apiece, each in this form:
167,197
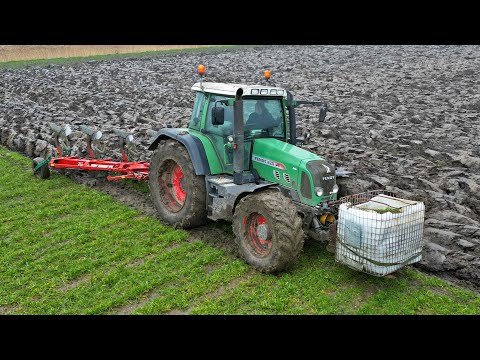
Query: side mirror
218,115
323,113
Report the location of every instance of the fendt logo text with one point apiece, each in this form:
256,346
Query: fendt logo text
268,162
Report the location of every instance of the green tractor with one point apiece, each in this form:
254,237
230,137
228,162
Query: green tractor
238,160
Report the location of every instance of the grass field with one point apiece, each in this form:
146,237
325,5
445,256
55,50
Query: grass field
22,56
68,249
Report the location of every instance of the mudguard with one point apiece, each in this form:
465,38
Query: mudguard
193,145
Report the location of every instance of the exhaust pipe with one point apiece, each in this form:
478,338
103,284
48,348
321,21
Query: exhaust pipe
292,121
238,140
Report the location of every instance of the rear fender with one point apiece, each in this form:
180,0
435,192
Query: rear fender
193,145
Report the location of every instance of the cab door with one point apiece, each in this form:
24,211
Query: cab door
218,134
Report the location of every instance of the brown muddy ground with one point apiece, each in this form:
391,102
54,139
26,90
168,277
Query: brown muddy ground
404,118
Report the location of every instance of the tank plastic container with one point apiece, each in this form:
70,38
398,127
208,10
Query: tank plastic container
379,233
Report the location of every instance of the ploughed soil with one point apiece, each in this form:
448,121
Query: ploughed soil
403,118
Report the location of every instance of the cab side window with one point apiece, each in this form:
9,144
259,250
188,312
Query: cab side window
227,127
197,111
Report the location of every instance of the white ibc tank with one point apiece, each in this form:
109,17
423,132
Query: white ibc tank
381,235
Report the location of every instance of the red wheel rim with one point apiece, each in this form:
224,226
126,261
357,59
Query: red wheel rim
178,183
172,184
258,234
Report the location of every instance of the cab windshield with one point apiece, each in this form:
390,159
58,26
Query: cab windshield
262,118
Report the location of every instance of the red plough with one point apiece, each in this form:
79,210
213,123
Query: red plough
136,170
130,170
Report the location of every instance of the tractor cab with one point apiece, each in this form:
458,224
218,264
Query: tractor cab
213,116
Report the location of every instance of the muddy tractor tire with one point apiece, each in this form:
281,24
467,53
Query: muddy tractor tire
343,187
268,231
179,195
43,172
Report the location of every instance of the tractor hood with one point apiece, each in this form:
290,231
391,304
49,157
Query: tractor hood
295,168
274,154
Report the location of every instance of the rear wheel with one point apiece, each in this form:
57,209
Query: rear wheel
268,231
177,193
43,172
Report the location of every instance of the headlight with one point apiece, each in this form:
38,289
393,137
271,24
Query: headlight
318,191
335,189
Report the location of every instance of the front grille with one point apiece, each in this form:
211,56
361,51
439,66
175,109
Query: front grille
323,175
305,187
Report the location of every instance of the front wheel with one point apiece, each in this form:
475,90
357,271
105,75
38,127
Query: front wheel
344,188
268,231
179,195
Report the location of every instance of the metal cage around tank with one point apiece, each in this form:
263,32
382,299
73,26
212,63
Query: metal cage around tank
378,232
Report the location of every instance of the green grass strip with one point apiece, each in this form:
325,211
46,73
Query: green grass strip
68,249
